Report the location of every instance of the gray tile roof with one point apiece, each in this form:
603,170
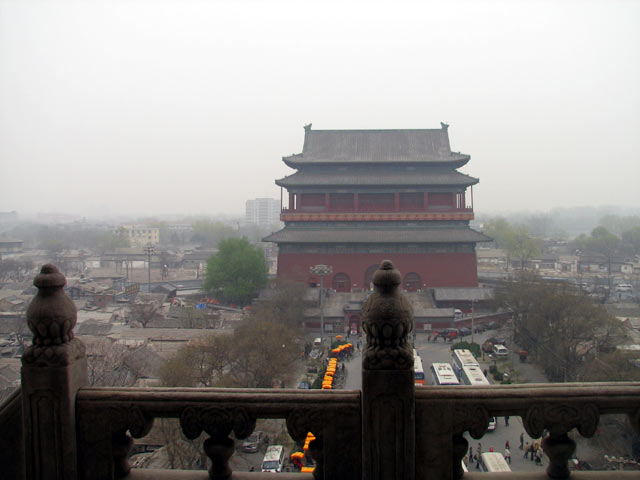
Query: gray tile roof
465,294
372,177
376,235
376,146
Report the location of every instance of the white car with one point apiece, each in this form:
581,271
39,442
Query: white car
493,423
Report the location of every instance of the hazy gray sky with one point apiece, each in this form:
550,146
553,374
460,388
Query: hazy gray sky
187,107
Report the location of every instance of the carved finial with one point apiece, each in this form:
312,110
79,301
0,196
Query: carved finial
445,126
307,127
51,316
387,319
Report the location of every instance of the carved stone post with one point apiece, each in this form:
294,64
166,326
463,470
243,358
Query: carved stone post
54,367
218,422
559,419
388,407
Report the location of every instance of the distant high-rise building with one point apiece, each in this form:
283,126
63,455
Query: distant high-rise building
263,211
141,235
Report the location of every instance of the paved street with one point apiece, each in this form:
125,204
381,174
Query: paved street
441,352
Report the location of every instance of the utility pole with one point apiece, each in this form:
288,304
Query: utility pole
149,250
321,271
472,319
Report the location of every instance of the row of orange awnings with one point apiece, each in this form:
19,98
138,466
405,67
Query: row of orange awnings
296,457
327,381
345,347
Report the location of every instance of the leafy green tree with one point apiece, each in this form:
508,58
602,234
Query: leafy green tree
517,241
522,245
237,272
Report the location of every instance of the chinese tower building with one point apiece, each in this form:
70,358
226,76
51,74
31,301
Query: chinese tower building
362,196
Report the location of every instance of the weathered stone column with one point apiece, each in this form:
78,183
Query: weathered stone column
388,407
54,367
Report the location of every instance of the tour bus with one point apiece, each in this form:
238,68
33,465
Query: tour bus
273,459
418,372
472,375
493,462
443,374
462,357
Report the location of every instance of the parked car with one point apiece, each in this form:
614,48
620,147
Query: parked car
464,331
492,424
252,442
500,351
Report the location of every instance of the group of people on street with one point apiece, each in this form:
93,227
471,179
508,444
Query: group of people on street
532,451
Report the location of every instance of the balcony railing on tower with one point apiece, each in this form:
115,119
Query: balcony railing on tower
57,428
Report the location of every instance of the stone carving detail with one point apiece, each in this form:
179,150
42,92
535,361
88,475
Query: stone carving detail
132,419
105,439
51,316
218,422
474,419
559,419
387,320
303,420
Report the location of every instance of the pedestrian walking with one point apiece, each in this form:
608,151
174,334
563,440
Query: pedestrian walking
526,450
532,451
506,444
478,454
507,454
521,440
506,421
539,457
470,455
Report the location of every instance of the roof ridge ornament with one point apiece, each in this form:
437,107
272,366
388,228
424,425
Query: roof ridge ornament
445,126
307,127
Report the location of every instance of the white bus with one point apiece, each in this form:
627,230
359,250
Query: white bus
494,462
443,374
472,375
462,357
273,459
418,372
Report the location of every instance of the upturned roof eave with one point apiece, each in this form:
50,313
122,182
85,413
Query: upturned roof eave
461,160
286,182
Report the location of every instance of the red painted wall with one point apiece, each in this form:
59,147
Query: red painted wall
435,269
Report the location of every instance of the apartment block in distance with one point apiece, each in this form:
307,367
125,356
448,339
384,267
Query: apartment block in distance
262,211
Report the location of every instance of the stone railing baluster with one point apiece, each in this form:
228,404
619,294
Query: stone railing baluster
54,367
388,407
218,422
558,419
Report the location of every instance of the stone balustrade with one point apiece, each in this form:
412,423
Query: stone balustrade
387,431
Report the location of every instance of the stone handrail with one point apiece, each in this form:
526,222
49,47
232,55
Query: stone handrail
443,414
105,415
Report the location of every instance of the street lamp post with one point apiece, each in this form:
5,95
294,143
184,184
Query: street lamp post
149,249
321,271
